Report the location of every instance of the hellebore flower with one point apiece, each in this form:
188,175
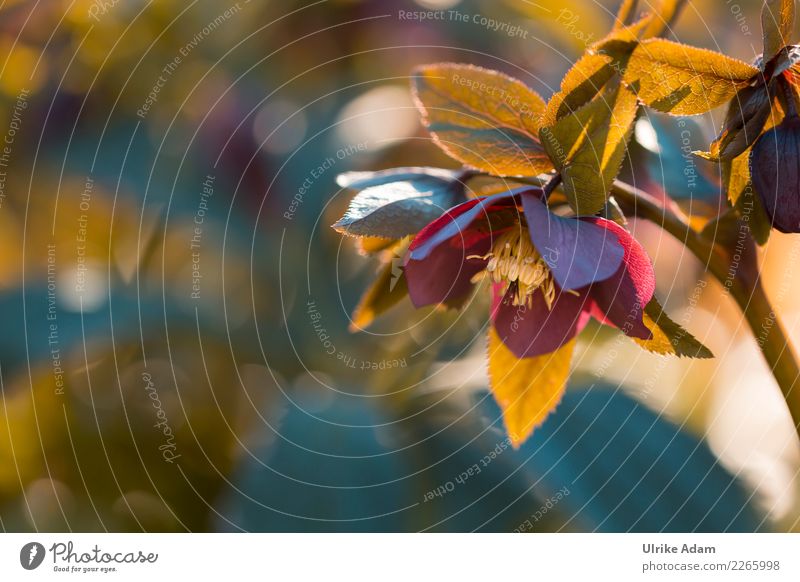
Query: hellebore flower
549,273
775,171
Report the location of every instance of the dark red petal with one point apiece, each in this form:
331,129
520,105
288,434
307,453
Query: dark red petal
622,298
444,274
577,252
536,330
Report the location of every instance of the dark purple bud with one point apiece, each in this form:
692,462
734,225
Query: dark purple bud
775,172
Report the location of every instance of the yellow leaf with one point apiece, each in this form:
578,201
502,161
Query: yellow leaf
669,338
526,389
482,118
589,145
389,288
777,21
684,80
582,82
369,245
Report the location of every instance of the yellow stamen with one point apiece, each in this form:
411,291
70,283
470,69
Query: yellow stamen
513,260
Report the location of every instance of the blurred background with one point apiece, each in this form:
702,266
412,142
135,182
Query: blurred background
175,353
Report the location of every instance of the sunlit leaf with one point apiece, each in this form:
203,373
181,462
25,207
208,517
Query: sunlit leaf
593,70
482,118
669,338
684,80
394,209
526,389
588,146
369,245
388,288
777,21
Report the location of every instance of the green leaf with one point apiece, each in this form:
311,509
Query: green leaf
669,338
388,289
589,145
482,118
777,22
684,80
393,209
527,389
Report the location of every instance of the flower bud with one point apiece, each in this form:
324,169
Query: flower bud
775,172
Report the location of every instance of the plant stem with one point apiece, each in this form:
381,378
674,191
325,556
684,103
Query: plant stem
746,291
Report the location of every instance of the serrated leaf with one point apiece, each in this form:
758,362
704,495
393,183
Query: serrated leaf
777,22
482,118
684,80
587,77
394,209
580,85
526,389
589,145
388,289
669,338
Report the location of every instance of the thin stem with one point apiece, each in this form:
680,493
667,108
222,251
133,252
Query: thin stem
746,291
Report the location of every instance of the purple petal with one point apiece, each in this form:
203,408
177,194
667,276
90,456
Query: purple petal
577,251
536,330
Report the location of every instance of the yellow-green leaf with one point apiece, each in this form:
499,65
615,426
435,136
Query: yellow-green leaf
582,82
386,290
777,21
482,118
669,338
527,389
589,145
684,80
587,77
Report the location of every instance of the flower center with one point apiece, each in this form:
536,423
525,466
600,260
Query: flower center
516,263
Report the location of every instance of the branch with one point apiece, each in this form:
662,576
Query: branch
746,291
